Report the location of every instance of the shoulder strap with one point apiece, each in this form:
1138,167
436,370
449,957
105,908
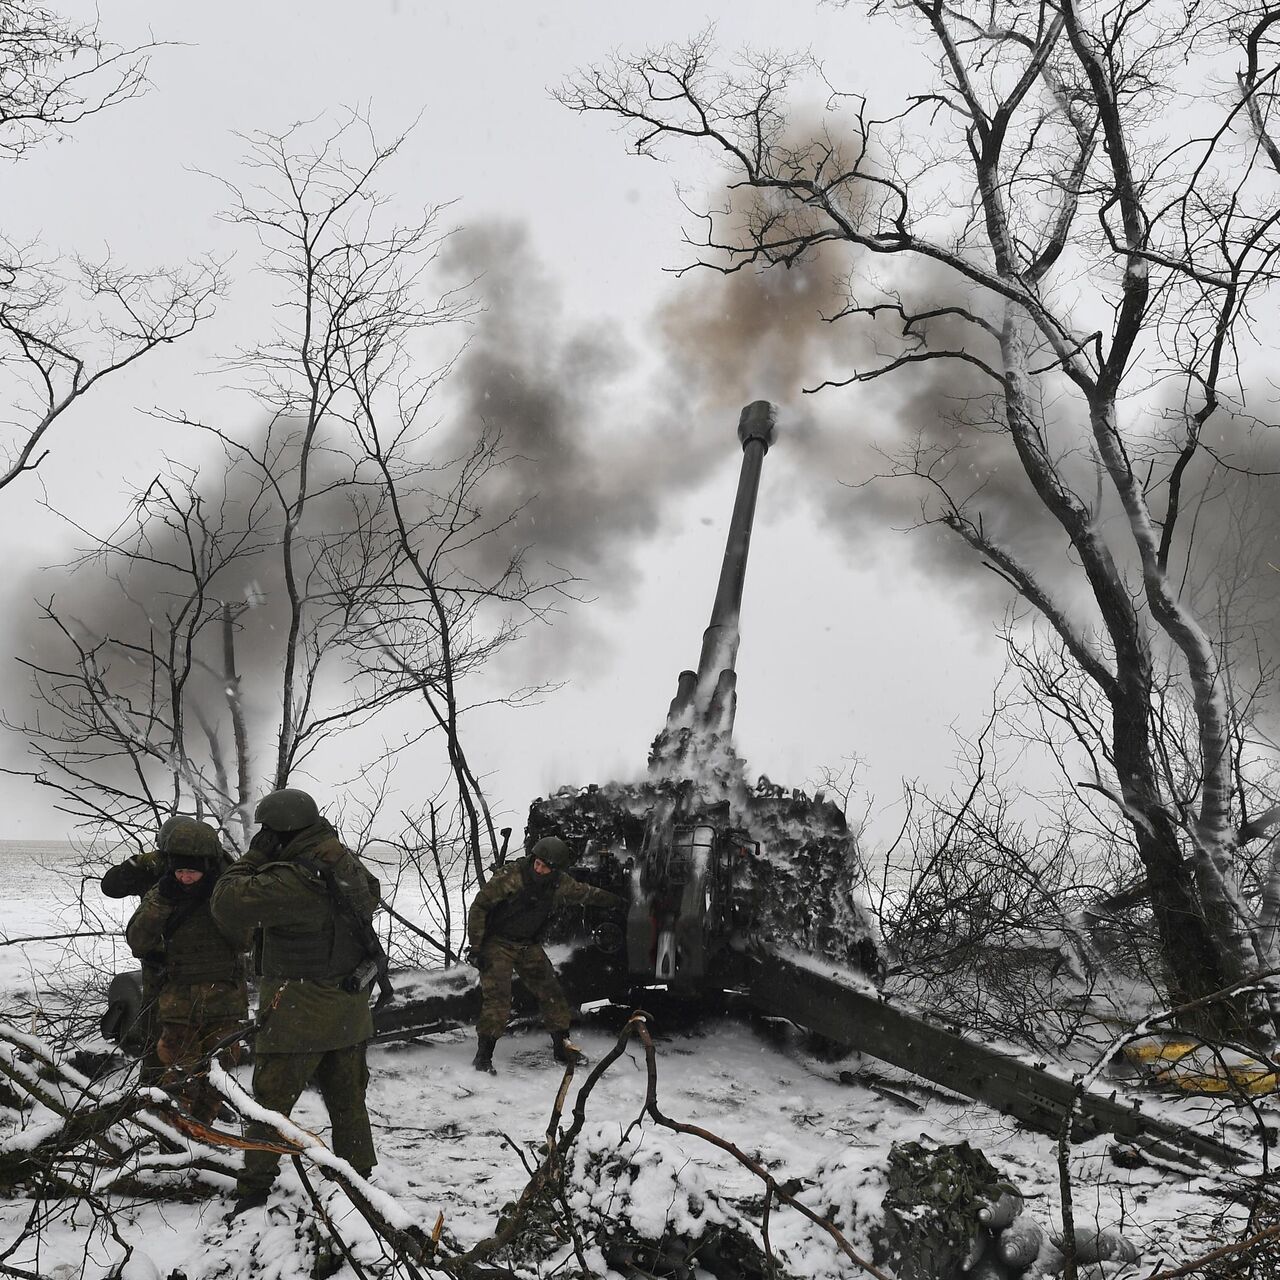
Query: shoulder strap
364,930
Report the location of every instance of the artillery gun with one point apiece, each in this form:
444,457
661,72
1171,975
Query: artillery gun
712,867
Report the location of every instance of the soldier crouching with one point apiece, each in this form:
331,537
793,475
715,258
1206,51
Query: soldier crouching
505,927
314,902
198,968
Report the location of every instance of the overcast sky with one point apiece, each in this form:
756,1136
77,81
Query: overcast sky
849,646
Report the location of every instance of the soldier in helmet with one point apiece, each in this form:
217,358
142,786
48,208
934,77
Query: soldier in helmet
505,927
198,967
314,902
133,878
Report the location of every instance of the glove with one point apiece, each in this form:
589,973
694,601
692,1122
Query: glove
265,843
169,888
474,956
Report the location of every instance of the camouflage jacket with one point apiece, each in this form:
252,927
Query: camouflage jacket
517,906
308,944
200,967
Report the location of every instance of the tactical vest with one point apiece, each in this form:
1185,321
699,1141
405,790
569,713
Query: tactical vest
197,951
333,951
524,917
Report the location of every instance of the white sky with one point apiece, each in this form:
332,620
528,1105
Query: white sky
839,654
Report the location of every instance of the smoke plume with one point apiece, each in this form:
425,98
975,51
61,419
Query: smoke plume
589,472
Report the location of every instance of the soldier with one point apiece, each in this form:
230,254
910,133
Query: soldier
198,968
505,927
314,902
132,878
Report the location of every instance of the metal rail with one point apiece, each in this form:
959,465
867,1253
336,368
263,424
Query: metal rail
1039,1099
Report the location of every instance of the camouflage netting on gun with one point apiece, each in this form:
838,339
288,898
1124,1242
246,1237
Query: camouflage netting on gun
804,877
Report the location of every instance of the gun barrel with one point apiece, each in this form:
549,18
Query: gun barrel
757,427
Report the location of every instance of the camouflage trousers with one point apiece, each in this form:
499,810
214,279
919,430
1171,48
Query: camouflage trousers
151,1066
179,1049
529,962
341,1075
147,1030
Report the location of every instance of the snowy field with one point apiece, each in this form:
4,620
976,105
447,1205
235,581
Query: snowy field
449,1142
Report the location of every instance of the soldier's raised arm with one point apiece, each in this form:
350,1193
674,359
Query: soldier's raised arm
133,876
252,894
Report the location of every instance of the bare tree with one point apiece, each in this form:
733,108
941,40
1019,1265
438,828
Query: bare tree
1087,290
324,568
57,73
65,326
136,703
447,616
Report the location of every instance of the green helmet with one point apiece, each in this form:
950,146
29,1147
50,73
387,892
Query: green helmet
182,837
287,810
166,827
554,852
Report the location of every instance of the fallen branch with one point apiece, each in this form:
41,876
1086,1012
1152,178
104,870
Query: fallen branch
334,1234
407,1240
774,1188
1217,1255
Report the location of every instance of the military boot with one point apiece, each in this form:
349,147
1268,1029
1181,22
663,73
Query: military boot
565,1050
483,1061
244,1202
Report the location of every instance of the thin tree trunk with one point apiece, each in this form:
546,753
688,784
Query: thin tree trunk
236,706
445,908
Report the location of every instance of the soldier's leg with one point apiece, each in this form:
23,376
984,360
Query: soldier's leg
535,971
495,989
278,1082
175,1049
343,1077
151,1068
179,1048
206,1101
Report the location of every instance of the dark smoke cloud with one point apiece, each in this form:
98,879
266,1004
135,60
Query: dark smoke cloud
597,456
122,607
599,466
769,334
545,390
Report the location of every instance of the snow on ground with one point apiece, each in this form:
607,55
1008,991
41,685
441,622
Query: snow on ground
444,1131
445,1135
